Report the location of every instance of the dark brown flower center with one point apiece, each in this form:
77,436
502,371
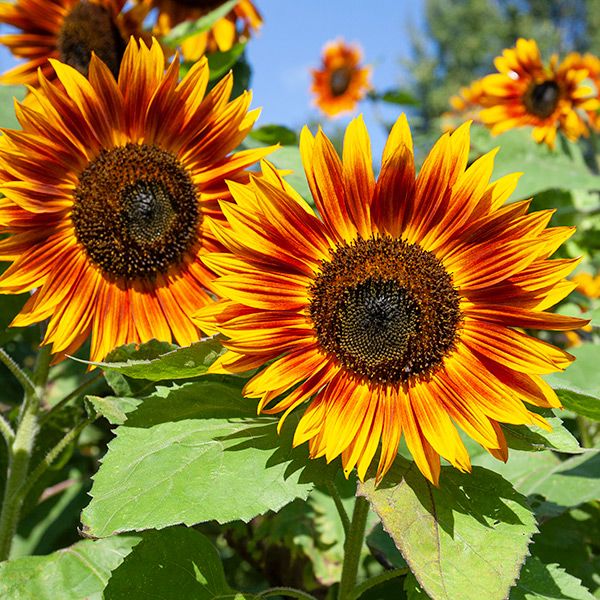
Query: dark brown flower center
541,99
339,80
90,27
385,309
136,211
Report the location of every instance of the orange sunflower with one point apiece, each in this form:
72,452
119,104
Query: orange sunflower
107,188
527,92
68,30
398,310
341,82
465,105
591,64
236,26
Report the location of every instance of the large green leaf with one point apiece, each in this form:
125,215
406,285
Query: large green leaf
181,363
194,455
547,582
173,564
579,385
466,539
79,572
562,483
543,169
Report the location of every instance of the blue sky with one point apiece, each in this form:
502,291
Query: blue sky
290,43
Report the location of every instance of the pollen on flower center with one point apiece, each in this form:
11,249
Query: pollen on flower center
90,27
387,310
541,99
340,80
136,211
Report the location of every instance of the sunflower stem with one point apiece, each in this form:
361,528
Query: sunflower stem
7,432
15,369
353,547
337,499
20,453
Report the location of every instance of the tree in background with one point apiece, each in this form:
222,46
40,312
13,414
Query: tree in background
461,38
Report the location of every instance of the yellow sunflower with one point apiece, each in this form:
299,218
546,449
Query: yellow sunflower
107,188
236,26
341,82
527,92
465,105
68,30
398,310
591,64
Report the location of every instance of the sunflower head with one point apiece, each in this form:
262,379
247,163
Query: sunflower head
548,97
234,27
105,200
67,30
396,307
341,82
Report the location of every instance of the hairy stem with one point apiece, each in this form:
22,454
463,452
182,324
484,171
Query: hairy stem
20,455
335,495
353,547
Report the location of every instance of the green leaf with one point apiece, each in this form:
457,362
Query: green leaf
8,120
534,438
181,363
184,30
190,456
563,483
274,134
220,63
579,386
75,573
172,564
113,409
571,540
547,582
466,539
543,169
402,97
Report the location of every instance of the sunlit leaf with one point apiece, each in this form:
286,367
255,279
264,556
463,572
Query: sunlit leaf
79,572
466,539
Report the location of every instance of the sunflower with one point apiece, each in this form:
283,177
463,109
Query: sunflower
341,82
107,188
591,64
527,92
465,105
398,310
588,286
68,30
236,26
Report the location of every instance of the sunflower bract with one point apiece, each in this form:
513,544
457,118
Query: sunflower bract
397,308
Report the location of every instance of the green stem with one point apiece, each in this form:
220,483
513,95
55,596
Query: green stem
53,454
285,591
353,547
382,577
7,433
19,458
72,395
20,375
335,495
